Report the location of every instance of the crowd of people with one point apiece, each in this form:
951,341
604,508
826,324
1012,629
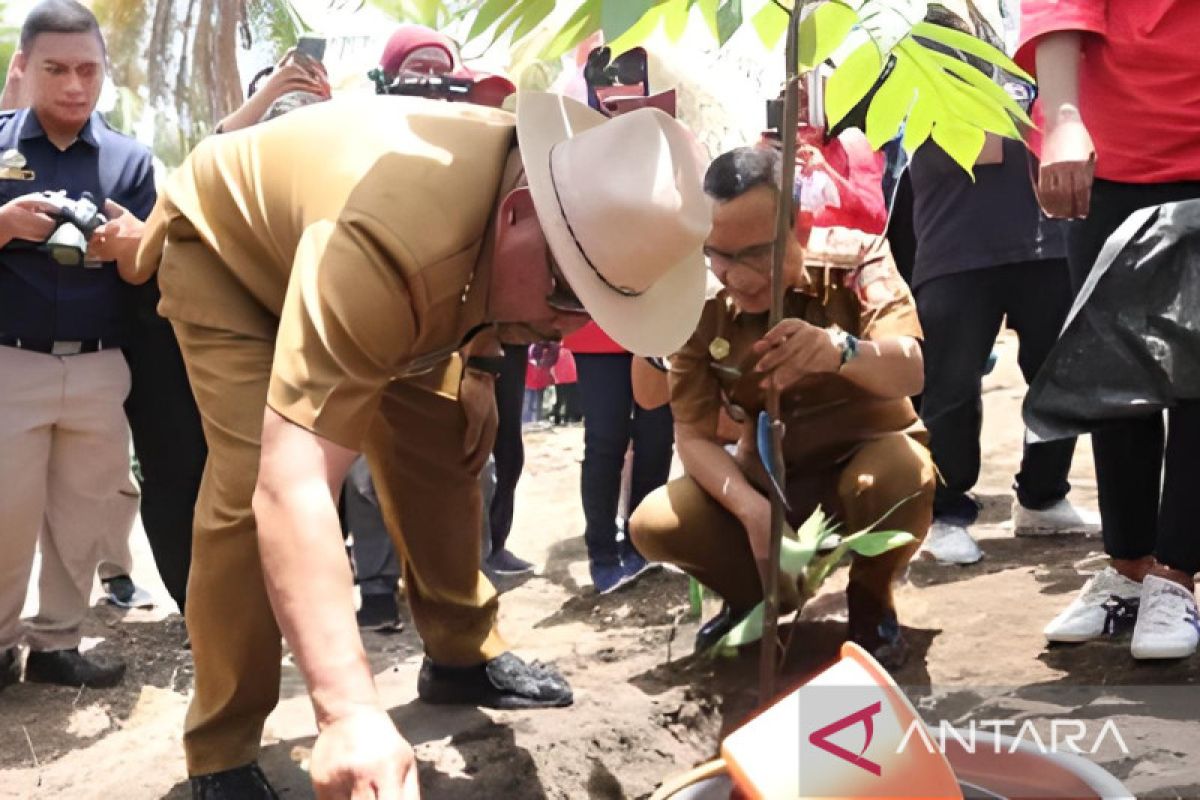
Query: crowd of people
297,358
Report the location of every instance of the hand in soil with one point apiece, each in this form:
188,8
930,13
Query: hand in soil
363,757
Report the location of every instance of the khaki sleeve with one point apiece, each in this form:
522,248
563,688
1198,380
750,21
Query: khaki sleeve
886,306
695,391
347,326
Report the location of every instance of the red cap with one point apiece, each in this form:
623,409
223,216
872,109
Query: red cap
409,38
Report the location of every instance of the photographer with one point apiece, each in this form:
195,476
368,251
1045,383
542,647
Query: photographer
64,443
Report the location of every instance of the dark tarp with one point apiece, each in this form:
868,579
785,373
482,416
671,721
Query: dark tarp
1131,343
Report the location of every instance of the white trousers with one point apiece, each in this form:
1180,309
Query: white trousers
64,476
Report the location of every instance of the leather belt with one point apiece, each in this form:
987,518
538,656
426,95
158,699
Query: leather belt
55,348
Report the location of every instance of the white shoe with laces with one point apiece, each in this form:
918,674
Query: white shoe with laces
948,543
1062,517
1085,617
1168,624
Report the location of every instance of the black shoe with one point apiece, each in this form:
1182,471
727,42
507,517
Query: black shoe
10,667
715,629
883,640
240,783
503,562
120,588
70,668
380,612
505,682
874,628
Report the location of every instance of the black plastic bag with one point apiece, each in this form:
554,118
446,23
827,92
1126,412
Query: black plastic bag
1131,343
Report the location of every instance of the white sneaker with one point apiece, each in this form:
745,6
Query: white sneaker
1084,619
1062,517
948,543
1168,624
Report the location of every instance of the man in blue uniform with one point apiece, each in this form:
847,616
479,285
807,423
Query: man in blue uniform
64,442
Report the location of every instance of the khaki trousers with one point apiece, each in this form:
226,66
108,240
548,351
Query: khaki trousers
431,506
681,524
64,461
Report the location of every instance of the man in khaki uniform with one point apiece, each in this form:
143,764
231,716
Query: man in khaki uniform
321,270
846,358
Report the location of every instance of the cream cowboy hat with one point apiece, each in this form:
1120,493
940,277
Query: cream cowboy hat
622,206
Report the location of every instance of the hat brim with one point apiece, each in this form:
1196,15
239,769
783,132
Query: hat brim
657,322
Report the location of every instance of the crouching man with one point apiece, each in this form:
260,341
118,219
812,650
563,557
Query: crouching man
338,279
846,358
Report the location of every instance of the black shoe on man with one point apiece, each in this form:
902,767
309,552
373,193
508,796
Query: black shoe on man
246,782
71,668
715,629
505,682
10,667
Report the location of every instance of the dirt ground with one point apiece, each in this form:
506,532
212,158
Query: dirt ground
645,708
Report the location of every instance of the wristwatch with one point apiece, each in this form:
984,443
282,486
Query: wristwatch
492,365
848,343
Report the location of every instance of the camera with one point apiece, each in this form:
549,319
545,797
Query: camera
434,87
77,221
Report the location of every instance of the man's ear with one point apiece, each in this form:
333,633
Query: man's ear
521,277
18,63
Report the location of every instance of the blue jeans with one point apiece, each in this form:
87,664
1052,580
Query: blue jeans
610,421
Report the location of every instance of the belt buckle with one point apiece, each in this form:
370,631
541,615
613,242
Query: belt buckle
66,348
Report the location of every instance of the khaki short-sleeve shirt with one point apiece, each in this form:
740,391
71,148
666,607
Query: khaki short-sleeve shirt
348,232
826,416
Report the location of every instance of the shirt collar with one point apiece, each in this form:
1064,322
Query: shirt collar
31,128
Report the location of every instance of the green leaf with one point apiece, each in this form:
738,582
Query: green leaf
582,24
851,81
874,543
918,126
695,597
729,19
618,17
953,97
823,31
487,15
676,13
640,32
962,142
708,10
957,40
771,23
982,82
891,104
535,12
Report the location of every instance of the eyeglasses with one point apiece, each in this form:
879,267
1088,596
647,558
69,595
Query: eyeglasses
561,298
755,257
626,69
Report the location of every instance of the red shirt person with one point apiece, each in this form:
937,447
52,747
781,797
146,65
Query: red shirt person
1122,114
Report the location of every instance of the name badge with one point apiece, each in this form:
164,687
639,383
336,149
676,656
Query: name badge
12,167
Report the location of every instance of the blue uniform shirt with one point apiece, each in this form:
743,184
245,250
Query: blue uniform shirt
39,298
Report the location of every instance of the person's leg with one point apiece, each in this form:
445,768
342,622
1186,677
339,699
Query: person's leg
376,569
887,485
1038,297
168,440
1166,626
960,315
653,446
1128,454
89,466
29,405
509,455
432,508
236,643
1178,546
681,524
607,398
116,559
